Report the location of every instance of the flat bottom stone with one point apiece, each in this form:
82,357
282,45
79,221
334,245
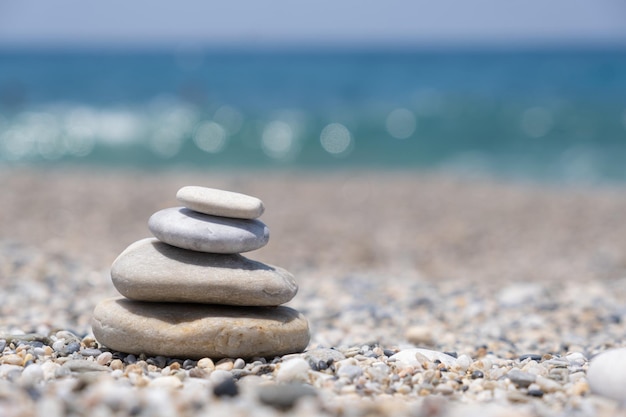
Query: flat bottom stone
198,330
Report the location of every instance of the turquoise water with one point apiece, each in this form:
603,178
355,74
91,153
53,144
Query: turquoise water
546,115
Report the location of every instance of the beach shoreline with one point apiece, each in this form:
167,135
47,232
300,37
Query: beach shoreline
439,226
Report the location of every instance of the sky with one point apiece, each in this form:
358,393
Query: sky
155,23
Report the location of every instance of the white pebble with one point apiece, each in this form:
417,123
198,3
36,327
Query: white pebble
220,375
170,382
293,370
408,356
463,362
49,369
32,374
576,359
607,374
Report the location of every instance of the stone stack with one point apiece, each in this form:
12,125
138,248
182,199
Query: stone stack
190,294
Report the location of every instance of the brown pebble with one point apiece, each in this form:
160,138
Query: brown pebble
420,335
206,363
580,388
117,364
133,369
12,359
225,365
89,342
198,373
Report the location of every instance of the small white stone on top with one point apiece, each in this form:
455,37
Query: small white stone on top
220,203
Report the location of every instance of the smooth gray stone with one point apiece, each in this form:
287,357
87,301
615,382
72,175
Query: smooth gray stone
220,203
284,396
188,229
198,330
520,378
150,270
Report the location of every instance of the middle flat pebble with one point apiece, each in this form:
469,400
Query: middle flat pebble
187,229
150,270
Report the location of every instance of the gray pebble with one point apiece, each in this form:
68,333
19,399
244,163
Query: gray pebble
189,364
90,352
521,379
188,229
158,361
240,373
150,270
39,351
226,388
77,365
350,371
239,363
389,352
532,356
284,396
31,343
130,359
71,347
477,374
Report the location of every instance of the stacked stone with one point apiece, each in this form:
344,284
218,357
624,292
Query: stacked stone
190,293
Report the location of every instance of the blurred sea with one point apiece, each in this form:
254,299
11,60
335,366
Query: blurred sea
547,115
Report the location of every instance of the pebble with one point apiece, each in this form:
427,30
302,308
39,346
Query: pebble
168,382
104,358
206,364
187,229
531,356
477,374
219,202
77,365
90,352
226,388
409,357
225,364
293,370
520,378
284,396
420,335
220,375
350,371
12,359
239,363
607,374
517,294
198,330
323,355
150,270
32,375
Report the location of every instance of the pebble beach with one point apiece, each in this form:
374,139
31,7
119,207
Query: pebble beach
426,294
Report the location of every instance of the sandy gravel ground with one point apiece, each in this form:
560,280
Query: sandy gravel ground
491,271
